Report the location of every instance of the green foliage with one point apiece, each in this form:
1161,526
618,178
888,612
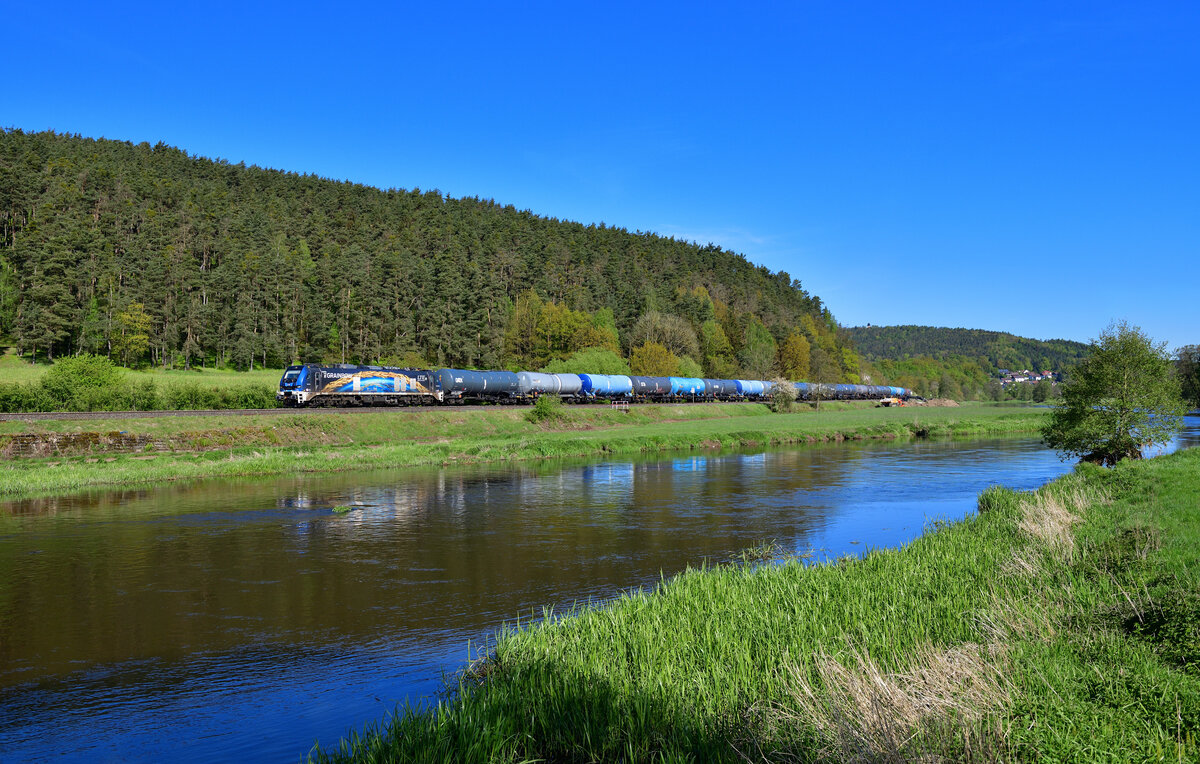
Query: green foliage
132,339
695,304
590,361
959,378
653,360
546,409
78,382
16,397
1121,397
1187,366
758,352
719,362
86,383
1042,391
794,356
689,368
539,331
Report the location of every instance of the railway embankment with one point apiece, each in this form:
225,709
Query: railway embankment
66,455
1056,625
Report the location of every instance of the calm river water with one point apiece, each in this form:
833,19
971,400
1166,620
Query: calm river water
242,620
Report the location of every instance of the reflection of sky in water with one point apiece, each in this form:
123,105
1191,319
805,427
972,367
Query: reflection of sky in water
1189,437
241,619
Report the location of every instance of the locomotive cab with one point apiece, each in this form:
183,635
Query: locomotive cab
292,386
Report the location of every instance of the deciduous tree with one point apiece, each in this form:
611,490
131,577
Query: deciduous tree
1120,398
1187,365
794,356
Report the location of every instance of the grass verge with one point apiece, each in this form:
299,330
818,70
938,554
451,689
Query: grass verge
1052,626
287,443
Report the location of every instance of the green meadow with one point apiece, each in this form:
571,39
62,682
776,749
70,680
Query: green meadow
1057,625
15,369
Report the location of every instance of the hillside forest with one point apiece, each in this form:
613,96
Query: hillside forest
156,258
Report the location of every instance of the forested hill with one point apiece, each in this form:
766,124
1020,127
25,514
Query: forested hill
993,350
153,256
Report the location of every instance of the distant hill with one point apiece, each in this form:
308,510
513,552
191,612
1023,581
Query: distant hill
991,350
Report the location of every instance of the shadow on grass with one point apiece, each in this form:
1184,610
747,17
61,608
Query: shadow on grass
542,711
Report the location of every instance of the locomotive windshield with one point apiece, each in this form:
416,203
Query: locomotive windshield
290,376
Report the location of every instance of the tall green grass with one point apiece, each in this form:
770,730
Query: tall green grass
1049,627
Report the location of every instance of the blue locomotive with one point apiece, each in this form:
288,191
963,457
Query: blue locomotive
350,385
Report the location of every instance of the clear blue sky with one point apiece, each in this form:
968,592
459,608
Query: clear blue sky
1024,167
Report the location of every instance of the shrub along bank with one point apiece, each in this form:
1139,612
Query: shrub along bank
1055,625
289,442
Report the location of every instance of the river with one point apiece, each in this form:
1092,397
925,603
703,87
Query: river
243,619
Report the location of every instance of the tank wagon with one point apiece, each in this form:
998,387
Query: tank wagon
351,385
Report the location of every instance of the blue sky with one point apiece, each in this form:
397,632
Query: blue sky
1023,167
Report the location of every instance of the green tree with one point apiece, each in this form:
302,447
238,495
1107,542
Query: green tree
994,390
132,338
590,361
759,352
1042,391
717,351
1187,367
794,356
689,367
654,360
1121,397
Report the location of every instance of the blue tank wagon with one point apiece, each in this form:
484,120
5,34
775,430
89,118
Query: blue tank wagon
460,385
606,386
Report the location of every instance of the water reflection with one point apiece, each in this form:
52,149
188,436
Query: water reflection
241,619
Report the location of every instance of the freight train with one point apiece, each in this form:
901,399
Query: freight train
350,385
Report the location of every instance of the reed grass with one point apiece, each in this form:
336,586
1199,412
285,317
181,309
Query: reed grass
979,641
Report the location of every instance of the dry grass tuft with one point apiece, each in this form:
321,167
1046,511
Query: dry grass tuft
1024,563
1049,516
932,711
1008,620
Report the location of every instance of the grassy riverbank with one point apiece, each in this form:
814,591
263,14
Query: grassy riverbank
286,443
1053,626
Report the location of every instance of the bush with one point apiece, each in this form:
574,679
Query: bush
79,382
783,395
136,396
189,396
548,408
251,397
16,398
